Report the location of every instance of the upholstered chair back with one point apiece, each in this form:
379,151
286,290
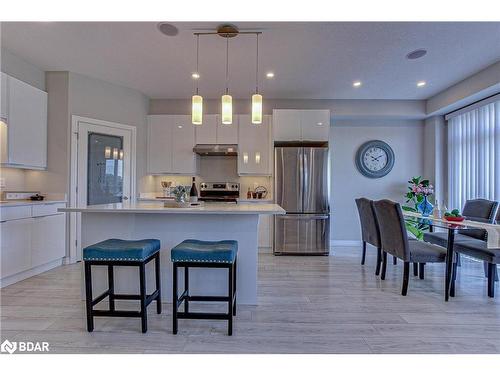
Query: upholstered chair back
369,228
479,210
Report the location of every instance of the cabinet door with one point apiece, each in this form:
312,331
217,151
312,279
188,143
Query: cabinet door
286,125
27,125
315,125
15,246
48,239
206,133
184,160
3,97
159,144
254,146
227,134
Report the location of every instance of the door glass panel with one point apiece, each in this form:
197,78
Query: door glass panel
105,169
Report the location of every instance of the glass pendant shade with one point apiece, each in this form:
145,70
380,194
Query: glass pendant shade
197,110
227,109
256,109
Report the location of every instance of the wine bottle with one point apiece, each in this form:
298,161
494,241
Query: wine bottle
193,193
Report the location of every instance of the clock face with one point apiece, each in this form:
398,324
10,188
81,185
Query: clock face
375,159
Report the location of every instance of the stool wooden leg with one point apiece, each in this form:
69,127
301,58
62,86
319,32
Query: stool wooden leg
88,296
142,277
174,299
186,288
235,267
111,287
158,283
230,303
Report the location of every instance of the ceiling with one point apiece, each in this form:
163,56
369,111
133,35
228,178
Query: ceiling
310,60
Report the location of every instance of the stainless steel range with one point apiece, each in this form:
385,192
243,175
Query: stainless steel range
219,192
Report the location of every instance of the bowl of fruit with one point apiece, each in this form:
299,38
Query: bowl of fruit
454,216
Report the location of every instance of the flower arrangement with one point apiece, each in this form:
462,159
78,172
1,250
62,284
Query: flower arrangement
181,193
418,190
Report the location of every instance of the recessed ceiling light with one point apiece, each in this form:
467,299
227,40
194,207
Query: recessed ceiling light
356,83
195,75
319,124
168,29
270,75
418,53
421,83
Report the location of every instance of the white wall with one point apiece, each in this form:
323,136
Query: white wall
406,138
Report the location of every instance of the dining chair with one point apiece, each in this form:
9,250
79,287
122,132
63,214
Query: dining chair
394,241
370,232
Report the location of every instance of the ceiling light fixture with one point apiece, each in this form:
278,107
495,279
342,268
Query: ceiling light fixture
421,83
418,53
356,83
227,100
257,98
195,76
197,100
168,29
270,75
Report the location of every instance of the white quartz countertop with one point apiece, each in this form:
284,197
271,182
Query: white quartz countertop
14,203
159,208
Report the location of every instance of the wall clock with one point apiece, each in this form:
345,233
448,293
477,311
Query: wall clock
375,159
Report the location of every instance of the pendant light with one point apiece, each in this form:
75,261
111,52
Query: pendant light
197,100
227,100
257,98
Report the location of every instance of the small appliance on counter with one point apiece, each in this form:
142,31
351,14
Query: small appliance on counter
22,196
226,192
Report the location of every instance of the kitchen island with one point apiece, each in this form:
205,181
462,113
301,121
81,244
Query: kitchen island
172,225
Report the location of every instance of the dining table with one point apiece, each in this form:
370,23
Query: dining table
432,222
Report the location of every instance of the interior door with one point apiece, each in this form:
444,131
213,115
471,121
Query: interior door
288,178
315,189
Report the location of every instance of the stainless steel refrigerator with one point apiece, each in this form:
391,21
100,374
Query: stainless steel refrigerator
301,188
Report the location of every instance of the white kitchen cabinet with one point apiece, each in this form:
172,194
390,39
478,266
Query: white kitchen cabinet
301,125
26,129
254,146
171,139
206,133
4,113
15,246
184,160
286,125
48,239
159,144
315,125
213,131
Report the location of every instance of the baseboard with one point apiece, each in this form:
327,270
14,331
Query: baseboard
9,280
346,243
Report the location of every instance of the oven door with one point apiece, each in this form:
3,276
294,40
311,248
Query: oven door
302,234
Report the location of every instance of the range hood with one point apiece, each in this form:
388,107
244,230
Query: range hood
216,150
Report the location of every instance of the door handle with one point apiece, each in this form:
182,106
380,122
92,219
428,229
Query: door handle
124,198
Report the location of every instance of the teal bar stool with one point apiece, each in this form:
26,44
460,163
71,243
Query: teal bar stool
204,254
115,252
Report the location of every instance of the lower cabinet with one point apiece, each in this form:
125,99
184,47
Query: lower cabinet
15,246
47,239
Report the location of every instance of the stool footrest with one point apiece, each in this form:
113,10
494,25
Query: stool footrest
120,313
208,298
209,316
101,297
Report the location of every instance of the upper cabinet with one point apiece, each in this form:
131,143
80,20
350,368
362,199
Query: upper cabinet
24,133
212,131
254,146
301,125
171,139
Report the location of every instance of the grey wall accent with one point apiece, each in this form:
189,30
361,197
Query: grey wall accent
406,138
22,70
435,156
471,89
340,109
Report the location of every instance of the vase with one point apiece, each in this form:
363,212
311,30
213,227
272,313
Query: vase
425,207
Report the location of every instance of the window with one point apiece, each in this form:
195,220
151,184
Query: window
474,154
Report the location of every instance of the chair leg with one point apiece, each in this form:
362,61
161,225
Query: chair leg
415,269
158,283
384,265
144,296
492,268
379,261
234,286
186,288
421,271
174,299
406,278
363,253
230,303
394,260
88,296
111,287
